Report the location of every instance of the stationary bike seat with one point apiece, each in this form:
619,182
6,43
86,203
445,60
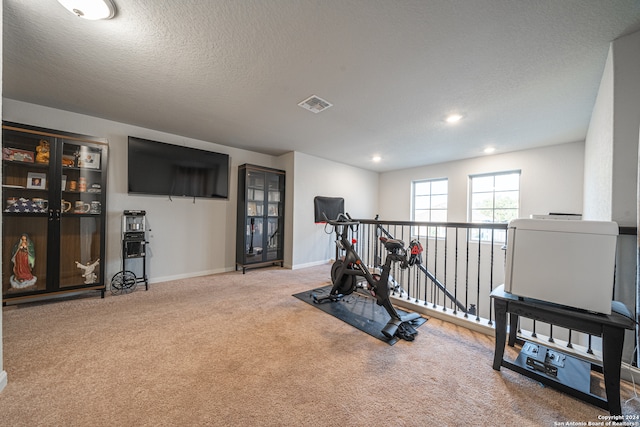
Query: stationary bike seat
392,244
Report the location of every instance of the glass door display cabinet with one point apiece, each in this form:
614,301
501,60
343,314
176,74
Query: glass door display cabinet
260,225
53,221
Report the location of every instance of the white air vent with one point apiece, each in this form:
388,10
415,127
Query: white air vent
315,104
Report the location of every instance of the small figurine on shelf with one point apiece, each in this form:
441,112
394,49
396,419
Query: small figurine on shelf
88,271
23,256
68,161
42,150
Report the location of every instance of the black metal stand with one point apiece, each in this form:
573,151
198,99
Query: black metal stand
610,327
134,247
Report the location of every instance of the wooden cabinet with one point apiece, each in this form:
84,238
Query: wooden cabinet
260,225
53,220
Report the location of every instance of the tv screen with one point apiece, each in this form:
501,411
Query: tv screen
171,170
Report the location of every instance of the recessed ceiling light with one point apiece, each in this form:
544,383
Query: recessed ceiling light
90,9
453,118
376,158
489,150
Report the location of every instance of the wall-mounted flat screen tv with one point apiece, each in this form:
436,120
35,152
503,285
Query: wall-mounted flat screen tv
162,169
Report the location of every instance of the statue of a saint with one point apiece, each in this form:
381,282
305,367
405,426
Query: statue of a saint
23,256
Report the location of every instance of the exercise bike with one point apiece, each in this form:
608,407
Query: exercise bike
345,271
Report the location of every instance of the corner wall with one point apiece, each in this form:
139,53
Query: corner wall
319,177
626,75
611,163
611,150
286,162
598,159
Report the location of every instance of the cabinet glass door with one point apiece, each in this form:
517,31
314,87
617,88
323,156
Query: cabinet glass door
254,244
26,218
274,216
80,210
260,225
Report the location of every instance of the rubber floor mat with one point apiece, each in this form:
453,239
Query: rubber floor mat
358,310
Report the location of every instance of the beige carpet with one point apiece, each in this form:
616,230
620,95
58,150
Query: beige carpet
239,350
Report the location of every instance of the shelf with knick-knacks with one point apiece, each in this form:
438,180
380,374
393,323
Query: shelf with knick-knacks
260,222
54,222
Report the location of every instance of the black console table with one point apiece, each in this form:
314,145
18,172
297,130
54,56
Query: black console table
610,327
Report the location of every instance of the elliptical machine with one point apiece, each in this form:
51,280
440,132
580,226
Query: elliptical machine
344,273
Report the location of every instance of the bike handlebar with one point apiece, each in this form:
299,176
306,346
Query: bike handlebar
342,219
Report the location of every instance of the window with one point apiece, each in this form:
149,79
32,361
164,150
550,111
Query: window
430,203
494,198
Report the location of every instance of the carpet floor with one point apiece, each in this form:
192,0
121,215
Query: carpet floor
237,349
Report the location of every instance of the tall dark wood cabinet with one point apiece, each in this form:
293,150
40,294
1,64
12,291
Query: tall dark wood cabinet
53,221
260,225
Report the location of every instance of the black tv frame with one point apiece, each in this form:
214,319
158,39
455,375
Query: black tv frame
176,171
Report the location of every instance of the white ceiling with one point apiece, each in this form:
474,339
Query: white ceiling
524,73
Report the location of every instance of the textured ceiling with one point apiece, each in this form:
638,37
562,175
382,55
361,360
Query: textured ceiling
523,73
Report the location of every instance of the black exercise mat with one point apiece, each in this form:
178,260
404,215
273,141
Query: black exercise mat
359,310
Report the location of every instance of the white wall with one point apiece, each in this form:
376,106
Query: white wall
174,225
611,155
319,177
286,162
598,166
611,161
551,181
626,88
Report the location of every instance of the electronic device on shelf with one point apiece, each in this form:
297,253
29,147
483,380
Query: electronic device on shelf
566,262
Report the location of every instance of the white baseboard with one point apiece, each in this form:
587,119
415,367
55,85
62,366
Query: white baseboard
309,264
189,275
628,371
224,270
459,318
3,380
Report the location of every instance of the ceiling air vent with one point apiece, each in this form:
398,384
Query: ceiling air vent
315,104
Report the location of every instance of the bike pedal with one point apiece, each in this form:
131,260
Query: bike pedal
406,331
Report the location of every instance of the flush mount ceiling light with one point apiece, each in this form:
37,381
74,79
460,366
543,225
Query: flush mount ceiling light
376,158
315,104
453,118
90,9
490,150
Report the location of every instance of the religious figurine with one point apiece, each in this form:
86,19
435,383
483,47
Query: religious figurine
42,152
88,271
23,256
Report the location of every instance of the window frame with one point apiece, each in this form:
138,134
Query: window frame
429,231
488,235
